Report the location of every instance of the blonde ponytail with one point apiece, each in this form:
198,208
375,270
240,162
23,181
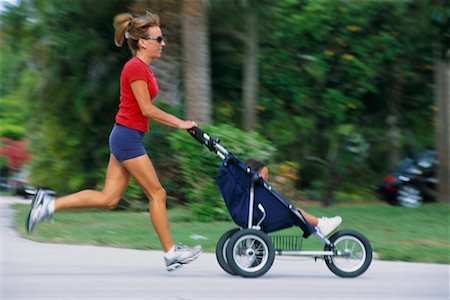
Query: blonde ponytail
121,25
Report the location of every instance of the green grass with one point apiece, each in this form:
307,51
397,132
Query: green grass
396,233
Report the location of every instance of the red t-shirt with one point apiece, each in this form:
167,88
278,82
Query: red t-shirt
129,114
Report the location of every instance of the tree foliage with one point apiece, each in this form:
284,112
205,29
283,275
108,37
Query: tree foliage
198,166
355,64
342,85
72,91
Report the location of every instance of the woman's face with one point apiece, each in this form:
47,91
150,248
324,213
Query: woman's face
153,48
264,173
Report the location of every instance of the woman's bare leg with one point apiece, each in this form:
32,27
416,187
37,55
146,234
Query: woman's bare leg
116,181
143,171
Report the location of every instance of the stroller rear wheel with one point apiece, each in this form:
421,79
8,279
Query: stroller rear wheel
221,250
250,253
353,253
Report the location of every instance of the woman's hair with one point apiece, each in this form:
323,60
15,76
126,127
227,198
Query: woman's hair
255,165
133,28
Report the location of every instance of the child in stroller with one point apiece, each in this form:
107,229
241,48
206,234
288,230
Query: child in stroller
257,209
324,224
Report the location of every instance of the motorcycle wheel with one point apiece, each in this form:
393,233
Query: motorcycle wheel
409,196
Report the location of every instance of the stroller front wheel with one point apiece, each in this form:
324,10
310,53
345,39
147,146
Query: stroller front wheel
353,253
250,253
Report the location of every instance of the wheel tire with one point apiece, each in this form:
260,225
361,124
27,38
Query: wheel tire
250,253
221,250
356,253
409,196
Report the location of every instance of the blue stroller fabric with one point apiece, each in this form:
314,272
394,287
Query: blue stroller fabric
234,181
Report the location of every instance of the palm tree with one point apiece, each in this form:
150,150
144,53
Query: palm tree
442,77
167,69
246,14
196,61
441,21
250,78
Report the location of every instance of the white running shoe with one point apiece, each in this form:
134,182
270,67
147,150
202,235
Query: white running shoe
42,208
181,255
327,225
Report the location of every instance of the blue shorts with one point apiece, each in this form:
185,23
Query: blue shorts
126,143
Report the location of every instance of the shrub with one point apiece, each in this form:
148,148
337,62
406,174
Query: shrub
284,177
199,166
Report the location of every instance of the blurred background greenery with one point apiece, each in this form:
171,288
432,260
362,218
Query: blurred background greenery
331,94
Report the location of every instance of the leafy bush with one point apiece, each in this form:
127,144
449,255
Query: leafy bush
284,177
199,167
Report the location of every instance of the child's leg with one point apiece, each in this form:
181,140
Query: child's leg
310,218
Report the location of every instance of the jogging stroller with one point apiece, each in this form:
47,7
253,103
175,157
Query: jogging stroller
258,209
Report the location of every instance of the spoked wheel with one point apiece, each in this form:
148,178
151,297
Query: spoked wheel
250,253
353,254
221,251
409,196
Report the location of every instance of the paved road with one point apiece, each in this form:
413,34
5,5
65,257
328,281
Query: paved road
31,270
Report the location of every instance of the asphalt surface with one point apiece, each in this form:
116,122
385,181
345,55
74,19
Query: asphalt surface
31,270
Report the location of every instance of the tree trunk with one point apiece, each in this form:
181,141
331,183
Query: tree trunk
331,184
168,68
250,72
394,131
442,94
196,62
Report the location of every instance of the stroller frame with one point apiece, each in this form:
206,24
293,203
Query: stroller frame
226,250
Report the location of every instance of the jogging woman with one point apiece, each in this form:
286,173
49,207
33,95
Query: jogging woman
128,158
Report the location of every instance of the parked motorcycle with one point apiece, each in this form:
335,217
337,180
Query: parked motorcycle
413,182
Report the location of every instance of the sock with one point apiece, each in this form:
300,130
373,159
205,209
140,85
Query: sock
171,252
51,206
319,221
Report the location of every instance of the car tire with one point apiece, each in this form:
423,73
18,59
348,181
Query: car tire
409,196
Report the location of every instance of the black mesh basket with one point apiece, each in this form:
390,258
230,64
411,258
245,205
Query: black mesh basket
287,242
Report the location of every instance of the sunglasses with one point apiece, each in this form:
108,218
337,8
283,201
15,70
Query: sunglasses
159,39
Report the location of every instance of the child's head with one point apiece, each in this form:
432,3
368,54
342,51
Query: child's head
258,166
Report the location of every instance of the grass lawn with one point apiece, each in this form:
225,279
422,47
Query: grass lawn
396,233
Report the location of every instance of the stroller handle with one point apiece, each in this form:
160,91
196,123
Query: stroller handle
205,139
197,134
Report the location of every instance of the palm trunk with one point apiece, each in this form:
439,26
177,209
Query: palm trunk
394,131
196,62
250,72
168,69
442,94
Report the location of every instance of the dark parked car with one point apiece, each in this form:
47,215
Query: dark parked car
413,182
4,184
19,185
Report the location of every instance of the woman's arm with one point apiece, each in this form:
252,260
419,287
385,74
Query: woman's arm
140,91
